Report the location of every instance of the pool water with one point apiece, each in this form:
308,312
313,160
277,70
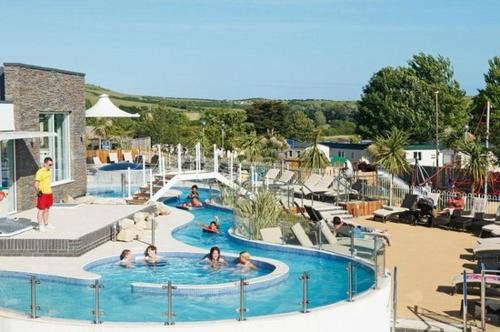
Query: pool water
110,192
184,270
327,283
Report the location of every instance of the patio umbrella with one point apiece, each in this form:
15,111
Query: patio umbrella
104,108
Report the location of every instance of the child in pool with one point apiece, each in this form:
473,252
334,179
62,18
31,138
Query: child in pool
126,258
214,258
151,256
213,226
244,262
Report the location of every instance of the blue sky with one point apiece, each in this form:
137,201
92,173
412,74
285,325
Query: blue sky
247,48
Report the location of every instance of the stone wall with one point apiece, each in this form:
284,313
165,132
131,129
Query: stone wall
33,90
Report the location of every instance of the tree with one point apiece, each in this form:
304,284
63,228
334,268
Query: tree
388,151
491,93
403,97
319,118
165,126
252,147
313,157
232,121
476,164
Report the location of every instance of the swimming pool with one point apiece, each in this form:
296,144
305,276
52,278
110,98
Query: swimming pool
70,298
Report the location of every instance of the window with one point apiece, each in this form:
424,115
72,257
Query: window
56,147
341,153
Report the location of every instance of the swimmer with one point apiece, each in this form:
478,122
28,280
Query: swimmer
195,198
212,227
126,258
150,255
243,261
214,258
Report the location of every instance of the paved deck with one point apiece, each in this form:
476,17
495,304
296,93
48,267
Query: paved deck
427,260
74,222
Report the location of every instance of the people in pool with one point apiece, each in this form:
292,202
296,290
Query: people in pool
194,196
213,226
244,262
151,255
214,258
360,230
126,258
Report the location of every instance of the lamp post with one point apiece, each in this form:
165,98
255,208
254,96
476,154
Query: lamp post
436,98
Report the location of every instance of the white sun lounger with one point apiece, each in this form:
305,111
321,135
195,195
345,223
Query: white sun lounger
286,177
321,186
490,240
360,244
113,157
97,161
311,181
271,176
306,242
388,211
487,250
127,156
272,235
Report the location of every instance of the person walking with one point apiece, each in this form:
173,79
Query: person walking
43,186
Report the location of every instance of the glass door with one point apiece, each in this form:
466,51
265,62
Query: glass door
7,177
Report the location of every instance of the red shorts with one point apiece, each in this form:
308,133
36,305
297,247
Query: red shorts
44,202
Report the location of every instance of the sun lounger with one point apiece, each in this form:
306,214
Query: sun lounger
97,161
465,220
490,240
113,157
272,235
360,244
473,281
306,242
285,178
127,156
321,186
311,181
486,250
270,177
408,204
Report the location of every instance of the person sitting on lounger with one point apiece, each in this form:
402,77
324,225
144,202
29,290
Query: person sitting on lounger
194,196
244,262
360,230
214,258
126,258
456,202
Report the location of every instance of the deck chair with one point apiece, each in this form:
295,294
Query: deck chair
408,204
127,156
465,220
272,235
434,197
361,245
306,242
311,181
113,157
271,176
97,161
488,219
321,186
285,178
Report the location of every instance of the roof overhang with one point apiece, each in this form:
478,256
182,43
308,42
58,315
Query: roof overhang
15,134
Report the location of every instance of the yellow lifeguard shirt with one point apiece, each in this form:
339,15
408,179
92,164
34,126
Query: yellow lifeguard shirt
44,177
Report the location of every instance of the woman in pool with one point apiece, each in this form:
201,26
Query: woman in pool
195,198
214,258
151,256
244,262
126,258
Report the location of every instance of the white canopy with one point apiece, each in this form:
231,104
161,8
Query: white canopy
14,134
104,108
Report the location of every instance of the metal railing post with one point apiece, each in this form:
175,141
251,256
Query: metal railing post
97,304
320,239
353,251
34,307
305,292
153,231
394,298
349,281
465,304
483,301
375,261
243,309
170,313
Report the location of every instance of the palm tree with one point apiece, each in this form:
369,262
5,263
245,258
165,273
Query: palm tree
313,157
252,147
476,165
388,151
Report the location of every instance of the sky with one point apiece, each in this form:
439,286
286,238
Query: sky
232,49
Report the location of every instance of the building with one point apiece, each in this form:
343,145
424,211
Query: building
351,151
297,149
43,114
425,155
